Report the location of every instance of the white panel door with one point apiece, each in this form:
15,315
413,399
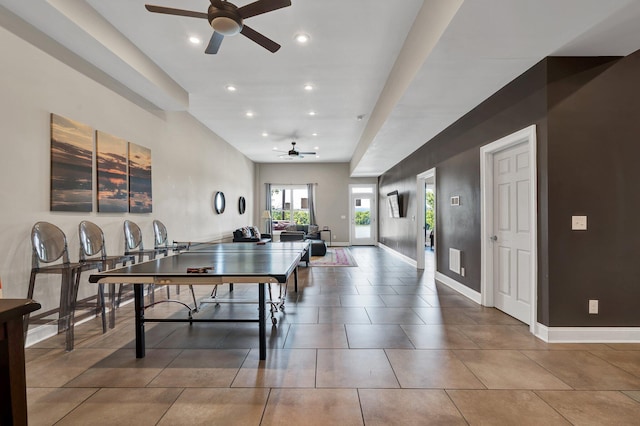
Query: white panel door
512,232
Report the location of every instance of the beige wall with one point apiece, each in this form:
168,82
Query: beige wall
189,163
332,194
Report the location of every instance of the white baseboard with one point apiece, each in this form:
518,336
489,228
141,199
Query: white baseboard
588,334
38,334
338,244
45,331
460,288
407,259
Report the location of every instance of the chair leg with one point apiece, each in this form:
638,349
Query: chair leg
73,280
193,295
32,283
103,310
66,296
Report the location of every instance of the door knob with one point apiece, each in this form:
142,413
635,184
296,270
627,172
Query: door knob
494,238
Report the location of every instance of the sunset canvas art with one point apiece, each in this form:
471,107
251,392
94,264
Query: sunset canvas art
140,197
71,165
111,160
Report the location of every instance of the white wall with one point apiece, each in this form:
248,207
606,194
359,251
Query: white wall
332,194
189,163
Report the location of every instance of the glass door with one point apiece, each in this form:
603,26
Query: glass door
363,215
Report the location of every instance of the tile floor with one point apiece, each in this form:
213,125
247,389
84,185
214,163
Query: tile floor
377,344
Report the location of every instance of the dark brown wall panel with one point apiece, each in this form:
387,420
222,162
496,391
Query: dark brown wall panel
594,147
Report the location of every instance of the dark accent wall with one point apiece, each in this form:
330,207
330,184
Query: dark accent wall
593,161
586,112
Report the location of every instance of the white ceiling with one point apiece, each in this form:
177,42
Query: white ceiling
409,67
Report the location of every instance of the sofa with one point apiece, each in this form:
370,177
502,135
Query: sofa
250,234
309,232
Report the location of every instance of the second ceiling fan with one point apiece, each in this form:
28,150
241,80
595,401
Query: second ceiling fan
292,153
227,19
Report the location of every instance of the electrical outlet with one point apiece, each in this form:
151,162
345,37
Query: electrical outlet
462,271
593,306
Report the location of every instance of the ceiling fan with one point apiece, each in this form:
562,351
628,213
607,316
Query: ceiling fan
292,153
226,19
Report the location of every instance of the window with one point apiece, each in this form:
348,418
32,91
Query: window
289,204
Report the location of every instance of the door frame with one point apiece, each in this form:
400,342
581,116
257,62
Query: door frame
421,191
374,211
526,136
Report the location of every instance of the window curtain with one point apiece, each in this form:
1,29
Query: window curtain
312,203
267,205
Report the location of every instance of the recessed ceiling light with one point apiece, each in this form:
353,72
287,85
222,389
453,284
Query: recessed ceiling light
231,88
302,38
308,87
317,156
275,148
312,113
316,148
195,40
265,134
360,117
249,114
314,134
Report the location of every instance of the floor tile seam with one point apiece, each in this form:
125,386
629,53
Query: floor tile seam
522,351
454,352
244,360
612,364
537,393
79,403
360,405
395,374
456,405
170,405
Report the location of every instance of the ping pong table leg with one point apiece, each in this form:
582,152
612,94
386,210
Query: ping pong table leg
295,278
139,319
262,321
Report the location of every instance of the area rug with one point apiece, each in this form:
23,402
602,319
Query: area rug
336,256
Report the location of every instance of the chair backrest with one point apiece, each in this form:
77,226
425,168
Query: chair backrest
91,240
132,237
49,244
160,234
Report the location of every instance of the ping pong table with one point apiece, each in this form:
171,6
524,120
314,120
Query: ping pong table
210,264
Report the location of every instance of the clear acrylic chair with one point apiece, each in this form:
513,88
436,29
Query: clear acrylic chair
161,242
49,244
133,246
93,249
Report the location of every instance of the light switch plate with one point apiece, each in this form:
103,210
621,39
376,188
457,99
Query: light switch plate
578,223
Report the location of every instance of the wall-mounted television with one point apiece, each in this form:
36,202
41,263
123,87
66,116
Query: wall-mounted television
394,204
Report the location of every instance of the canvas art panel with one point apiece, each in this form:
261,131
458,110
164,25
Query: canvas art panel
140,196
71,165
111,160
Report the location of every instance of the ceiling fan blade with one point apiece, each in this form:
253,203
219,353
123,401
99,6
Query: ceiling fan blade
214,43
307,153
172,11
262,40
262,6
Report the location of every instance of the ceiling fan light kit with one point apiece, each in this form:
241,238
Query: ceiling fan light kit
226,19
226,23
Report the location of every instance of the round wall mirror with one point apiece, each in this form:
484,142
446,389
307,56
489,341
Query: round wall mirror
218,202
242,205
